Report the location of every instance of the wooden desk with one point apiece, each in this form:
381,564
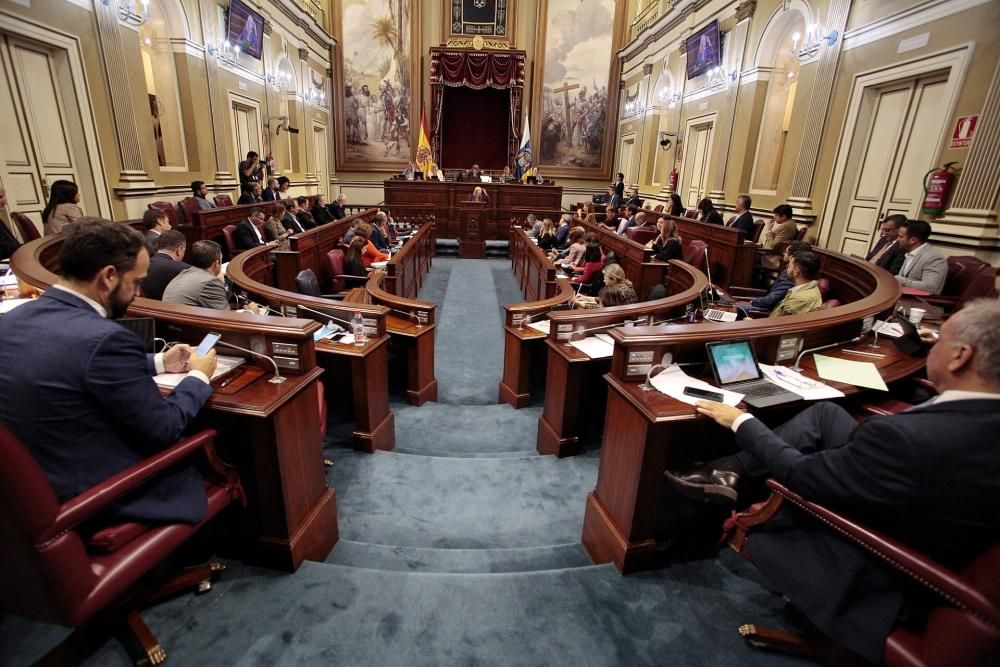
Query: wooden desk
730,255
271,432
646,432
365,369
410,199
472,218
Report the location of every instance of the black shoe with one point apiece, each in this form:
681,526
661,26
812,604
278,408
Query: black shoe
704,483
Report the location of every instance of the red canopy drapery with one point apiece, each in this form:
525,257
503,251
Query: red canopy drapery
477,70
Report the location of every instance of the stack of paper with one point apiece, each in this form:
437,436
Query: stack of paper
807,388
890,329
222,366
858,373
672,380
595,347
543,326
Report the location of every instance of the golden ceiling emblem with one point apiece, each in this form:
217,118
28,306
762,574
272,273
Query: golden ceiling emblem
477,42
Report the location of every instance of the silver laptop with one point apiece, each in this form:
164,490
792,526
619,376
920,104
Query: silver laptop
735,368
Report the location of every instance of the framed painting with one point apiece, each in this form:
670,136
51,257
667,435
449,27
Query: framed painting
376,82
575,93
479,23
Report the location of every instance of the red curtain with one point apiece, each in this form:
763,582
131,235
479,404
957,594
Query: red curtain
474,128
477,70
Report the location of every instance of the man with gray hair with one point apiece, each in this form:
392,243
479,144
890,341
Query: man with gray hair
562,233
201,284
534,225
928,476
379,238
337,207
744,219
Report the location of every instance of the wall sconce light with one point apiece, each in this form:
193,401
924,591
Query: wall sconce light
633,107
718,78
130,12
279,82
315,96
668,97
225,53
812,42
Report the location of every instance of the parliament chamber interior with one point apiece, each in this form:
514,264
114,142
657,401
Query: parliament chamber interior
476,332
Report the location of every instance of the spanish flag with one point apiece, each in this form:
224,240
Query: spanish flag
424,157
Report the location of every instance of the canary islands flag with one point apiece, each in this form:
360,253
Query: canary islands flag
424,157
523,167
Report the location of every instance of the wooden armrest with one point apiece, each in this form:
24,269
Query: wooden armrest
886,407
349,278
897,555
92,501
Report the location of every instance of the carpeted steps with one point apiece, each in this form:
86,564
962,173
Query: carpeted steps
436,429
459,561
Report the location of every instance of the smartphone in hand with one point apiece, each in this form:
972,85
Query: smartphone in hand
207,343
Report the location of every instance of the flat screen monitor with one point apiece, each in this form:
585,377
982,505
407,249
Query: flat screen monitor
704,50
246,29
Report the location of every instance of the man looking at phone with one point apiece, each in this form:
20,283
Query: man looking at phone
77,387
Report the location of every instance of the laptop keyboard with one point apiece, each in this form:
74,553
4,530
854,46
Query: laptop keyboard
759,389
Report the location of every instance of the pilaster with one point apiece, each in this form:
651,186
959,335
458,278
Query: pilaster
727,114
217,102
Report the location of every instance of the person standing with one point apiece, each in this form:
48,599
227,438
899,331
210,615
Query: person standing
250,170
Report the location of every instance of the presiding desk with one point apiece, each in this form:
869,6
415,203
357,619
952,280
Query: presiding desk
445,200
270,432
646,432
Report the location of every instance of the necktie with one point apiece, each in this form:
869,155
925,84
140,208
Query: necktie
881,253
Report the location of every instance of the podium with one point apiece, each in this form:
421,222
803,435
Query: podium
471,232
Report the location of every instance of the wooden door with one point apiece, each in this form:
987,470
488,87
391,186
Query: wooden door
36,147
246,129
891,153
320,153
696,158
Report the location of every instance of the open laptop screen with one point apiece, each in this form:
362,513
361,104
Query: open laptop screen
733,361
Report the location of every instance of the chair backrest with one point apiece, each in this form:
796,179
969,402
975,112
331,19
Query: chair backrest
691,213
801,234
27,229
229,237
695,254
336,260
823,284
187,206
222,201
830,303
167,208
729,223
658,208
642,234
758,229
969,278
41,577
307,283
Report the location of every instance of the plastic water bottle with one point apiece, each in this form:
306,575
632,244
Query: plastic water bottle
358,328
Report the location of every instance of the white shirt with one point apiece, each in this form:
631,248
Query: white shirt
910,256
157,358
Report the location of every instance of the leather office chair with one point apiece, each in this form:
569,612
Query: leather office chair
658,208
642,235
695,254
167,208
968,278
223,201
229,238
342,282
307,283
25,227
691,213
52,571
187,206
801,234
962,629
758,229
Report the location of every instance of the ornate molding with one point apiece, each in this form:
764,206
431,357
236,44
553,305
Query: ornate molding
745,10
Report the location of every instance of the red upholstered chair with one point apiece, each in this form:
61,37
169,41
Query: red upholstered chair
187,206
829,303
695,254
167,208
801,234
223,201
962,629
642,235
691,213
968,278
52,571
229,237
342,282
758,229
658,208
27,229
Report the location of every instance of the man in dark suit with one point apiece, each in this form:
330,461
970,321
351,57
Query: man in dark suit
743,220
155,222
473,174
305,217
249,232
633,198
165,264
77,387
619,186
272,192
378,237
251,195
337,207
887,252
290,220
320,212
929,476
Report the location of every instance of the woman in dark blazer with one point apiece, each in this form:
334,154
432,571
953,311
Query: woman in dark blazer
708,212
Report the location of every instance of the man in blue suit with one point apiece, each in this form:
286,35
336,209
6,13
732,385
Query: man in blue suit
77,387
929,476
744,219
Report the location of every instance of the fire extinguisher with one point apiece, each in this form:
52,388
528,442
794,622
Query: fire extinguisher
673,179
937,188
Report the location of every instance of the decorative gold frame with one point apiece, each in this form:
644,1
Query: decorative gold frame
463,41
337,92
611,112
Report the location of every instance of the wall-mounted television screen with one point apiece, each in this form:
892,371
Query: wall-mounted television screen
704,50
246,29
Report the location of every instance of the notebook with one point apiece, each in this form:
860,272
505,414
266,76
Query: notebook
735,369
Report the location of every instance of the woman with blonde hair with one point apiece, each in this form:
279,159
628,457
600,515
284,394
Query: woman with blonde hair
620,287
667,244
547,235
478,194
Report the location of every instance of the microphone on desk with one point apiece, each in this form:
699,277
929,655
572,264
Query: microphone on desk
713,295
411,314
247,301
797,368
326,315
277,379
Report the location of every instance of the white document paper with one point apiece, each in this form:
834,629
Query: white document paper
890,329
544,326
672,380
807,388
222,366
594,347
